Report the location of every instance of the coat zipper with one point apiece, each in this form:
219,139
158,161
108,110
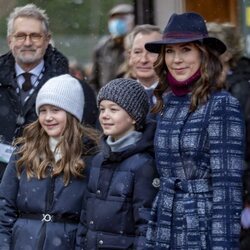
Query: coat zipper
48,207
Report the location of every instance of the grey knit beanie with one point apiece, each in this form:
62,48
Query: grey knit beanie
129,95
64,92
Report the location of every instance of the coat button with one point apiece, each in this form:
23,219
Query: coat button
20,120
101,242
91,222
98,192
156,182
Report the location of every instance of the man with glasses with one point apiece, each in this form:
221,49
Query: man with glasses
30,62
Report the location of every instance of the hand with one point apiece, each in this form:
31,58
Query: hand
245,218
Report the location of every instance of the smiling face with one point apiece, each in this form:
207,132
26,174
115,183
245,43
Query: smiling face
182,60
141,60
114,120
53,120
28,42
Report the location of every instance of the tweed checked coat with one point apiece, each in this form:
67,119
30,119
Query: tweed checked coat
199,158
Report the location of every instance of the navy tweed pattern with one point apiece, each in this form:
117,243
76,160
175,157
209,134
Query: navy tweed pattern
199,158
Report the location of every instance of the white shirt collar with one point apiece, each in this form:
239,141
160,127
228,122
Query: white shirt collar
35,71
153,86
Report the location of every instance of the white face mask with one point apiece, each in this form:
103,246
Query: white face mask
121,26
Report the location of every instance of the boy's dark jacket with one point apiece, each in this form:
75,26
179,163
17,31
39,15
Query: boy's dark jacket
120,195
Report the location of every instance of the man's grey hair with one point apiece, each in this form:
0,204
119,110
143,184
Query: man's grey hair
145,29
29,11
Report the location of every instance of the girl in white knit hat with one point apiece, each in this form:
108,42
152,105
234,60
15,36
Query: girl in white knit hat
43,187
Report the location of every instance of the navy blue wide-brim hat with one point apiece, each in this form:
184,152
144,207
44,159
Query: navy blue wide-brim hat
183,28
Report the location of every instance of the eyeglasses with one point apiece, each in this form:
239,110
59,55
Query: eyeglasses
34,37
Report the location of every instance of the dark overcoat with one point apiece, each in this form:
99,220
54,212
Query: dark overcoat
14,115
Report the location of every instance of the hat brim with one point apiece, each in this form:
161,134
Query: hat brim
211,42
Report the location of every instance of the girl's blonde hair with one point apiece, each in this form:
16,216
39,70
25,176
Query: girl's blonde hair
37,159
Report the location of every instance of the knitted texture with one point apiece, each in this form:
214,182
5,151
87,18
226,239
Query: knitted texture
64,92
129,95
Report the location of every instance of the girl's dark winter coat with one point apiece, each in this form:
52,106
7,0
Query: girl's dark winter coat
23,201
120,195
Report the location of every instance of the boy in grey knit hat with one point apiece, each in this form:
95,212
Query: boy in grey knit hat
122,174
130,96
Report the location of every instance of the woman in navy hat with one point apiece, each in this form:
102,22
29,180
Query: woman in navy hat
199,143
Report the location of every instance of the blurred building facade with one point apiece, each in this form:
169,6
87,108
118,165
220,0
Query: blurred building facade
236,12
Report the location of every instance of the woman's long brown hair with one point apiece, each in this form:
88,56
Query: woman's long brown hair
36,156
211,69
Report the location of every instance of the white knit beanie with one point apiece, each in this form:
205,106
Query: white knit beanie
64,92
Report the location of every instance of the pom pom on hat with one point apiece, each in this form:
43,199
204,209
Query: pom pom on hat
64,92
129,95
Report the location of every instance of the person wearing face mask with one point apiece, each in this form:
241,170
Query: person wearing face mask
108,55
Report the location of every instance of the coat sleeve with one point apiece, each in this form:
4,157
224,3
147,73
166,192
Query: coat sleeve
226,138
143,196
94,77
8,209
82,227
